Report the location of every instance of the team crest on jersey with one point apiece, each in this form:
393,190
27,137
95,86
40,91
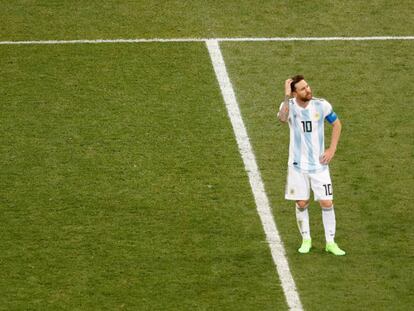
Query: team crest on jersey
317,116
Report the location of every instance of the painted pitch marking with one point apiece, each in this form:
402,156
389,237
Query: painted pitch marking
258,39
255,179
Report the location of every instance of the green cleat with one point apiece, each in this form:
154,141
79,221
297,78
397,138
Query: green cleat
306,246
333,248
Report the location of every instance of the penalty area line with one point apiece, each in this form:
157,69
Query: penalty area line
262,202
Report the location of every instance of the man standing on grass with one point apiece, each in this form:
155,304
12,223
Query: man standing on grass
308,158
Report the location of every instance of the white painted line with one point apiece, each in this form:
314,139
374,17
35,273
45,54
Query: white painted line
287,39
256,183
259,39
100,41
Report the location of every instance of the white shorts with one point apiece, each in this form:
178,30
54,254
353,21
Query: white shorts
299,184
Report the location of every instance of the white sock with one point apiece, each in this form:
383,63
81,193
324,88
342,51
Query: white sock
302,218
329,223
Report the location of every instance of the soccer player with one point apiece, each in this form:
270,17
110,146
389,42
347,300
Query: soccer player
308,159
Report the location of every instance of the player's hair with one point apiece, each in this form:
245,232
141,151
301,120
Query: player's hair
295,79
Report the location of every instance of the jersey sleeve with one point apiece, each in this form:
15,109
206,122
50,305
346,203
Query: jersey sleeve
328,112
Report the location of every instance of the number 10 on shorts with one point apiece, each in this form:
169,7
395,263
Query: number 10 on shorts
328,189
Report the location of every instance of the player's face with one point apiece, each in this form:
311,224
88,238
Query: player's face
303,91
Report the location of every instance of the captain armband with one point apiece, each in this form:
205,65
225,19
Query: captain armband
332,117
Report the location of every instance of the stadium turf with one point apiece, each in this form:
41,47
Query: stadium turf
121,185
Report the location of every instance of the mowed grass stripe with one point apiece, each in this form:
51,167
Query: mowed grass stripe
122,186
366,82
149,19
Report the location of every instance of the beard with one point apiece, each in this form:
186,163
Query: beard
307,97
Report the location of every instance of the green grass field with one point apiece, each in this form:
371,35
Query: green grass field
122,187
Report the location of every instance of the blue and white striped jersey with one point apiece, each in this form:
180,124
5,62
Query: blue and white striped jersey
307,134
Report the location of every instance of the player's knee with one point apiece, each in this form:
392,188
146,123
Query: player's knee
301,204
325,203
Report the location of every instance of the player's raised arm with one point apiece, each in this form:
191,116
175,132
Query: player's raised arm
284,109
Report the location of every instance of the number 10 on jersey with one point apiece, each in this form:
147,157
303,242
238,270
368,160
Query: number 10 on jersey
307,126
